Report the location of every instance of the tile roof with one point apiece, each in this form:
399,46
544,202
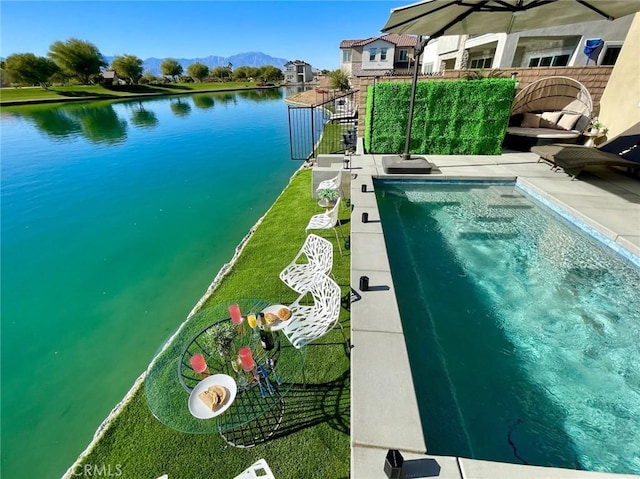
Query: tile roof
400,40
352,43
397,40
297,62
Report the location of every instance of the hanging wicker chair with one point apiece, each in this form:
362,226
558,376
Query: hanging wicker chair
550,110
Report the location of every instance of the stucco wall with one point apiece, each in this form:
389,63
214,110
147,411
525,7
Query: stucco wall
608,30
377,64
620,103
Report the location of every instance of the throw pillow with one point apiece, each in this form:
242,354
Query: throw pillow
549,119
569,120
530,120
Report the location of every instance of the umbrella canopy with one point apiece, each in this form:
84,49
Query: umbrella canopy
435,18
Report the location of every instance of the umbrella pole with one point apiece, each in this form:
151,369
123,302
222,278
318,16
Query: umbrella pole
404,164
414,82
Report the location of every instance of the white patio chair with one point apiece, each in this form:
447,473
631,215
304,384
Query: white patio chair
327,220
257,470
310,322
334,183
318,253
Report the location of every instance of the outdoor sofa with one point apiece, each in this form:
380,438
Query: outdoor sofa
550,110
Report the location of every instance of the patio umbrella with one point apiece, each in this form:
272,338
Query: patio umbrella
434,18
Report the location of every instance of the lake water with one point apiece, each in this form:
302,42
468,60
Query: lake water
116,216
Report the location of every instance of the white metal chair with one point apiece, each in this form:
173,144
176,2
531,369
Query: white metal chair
318,253
334,183
310,322
257,470
327,220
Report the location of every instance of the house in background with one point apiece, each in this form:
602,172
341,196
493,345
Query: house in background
543,47
110,77
298,72
376,56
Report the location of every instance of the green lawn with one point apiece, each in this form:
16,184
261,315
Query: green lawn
64,93
313,441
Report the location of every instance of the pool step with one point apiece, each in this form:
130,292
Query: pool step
494,219
486,235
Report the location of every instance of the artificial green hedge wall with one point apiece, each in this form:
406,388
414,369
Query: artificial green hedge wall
457,117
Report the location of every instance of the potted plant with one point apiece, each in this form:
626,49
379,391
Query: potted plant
596,126
219,339
329,196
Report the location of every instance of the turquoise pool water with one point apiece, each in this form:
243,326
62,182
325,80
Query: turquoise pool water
116,216
523,333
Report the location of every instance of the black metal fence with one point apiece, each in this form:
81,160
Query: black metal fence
328,127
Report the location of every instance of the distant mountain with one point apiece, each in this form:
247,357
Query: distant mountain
250,59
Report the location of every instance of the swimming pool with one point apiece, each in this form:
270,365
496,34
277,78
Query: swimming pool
523,333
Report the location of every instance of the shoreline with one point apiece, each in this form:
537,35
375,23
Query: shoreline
37,101
224,270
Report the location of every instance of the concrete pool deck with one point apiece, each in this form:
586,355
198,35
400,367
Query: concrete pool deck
384,411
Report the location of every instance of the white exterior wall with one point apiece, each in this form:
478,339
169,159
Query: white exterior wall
620,102
613,33
430,56
448,44
378,64
608,31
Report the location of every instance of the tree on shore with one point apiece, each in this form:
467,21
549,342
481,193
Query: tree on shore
221,72
339,80
128,67
245,72
198,70
26,69
171,67
77,59
270,73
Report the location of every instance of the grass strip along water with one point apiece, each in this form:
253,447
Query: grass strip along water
16,96
313,440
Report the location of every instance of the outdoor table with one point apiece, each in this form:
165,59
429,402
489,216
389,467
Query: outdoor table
592,137
251,418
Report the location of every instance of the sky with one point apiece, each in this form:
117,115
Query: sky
296,30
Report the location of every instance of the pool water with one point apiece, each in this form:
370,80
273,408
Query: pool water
523,332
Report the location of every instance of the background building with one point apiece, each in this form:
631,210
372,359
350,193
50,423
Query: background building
298,72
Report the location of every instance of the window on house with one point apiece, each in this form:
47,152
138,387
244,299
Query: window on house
404,56
553,61
560,61
383,54
610,55
481,62
372,54
428,67
346,56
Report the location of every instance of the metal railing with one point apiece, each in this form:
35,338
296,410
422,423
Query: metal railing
327,127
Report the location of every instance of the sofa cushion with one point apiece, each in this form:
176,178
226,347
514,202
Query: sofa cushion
543,133
568,120
549,119
530,120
